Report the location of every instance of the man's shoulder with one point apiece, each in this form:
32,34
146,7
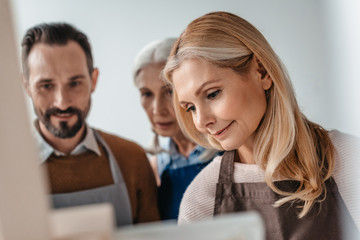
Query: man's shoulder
118,143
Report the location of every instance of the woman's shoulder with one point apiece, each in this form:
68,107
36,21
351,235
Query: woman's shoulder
211,170
347,149
346,146
338,137
208,175
199,198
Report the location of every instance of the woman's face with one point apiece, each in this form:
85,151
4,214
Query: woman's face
156,100
223,104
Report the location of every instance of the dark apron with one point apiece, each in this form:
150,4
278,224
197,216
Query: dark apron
116,194
328,219
173,185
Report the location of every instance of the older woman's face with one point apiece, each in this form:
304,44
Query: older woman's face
223,104
156,100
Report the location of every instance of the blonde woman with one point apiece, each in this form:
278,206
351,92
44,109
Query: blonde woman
232,93
178,160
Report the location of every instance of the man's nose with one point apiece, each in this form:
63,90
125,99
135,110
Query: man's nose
62,99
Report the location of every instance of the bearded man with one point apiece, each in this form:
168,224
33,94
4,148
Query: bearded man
84,165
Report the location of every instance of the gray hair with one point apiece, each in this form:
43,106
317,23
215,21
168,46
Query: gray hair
154,52
158,52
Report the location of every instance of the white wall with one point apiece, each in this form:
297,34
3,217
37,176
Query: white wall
343,29
298,31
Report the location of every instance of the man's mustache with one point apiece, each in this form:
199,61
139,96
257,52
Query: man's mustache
70,110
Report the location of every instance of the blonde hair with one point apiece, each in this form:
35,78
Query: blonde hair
287,145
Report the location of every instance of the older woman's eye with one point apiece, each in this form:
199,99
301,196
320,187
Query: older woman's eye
192,109
146,94
169,91
213,94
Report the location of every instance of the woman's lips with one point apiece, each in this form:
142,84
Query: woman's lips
164,125
222,132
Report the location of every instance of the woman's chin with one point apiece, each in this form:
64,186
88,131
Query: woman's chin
164,133
229,147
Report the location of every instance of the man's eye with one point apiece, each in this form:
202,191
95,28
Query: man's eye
46,86
213,94
74,84
192,109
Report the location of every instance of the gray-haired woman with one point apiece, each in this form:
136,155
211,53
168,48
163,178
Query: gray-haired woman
178,160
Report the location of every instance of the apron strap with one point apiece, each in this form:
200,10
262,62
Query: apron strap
227,167
115,170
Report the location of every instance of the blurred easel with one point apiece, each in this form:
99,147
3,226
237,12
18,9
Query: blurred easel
25,211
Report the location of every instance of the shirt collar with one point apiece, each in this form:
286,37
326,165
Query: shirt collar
173,150
88,143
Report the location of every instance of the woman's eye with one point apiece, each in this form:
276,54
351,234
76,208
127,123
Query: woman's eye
213,94
192,109
146,94
170,91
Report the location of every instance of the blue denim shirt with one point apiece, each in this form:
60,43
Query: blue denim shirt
172,159
176,173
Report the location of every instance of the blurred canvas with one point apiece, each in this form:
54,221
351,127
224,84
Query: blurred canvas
242,226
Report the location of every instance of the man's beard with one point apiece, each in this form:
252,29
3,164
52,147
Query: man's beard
63,130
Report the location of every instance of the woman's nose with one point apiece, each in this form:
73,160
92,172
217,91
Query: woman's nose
203,119
159,106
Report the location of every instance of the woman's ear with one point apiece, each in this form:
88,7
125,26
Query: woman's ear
265,77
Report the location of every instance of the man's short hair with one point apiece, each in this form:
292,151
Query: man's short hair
54,34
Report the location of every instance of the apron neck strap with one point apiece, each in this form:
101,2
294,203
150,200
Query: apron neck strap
227,167
115,170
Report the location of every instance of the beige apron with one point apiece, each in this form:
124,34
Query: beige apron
328,219
116,194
